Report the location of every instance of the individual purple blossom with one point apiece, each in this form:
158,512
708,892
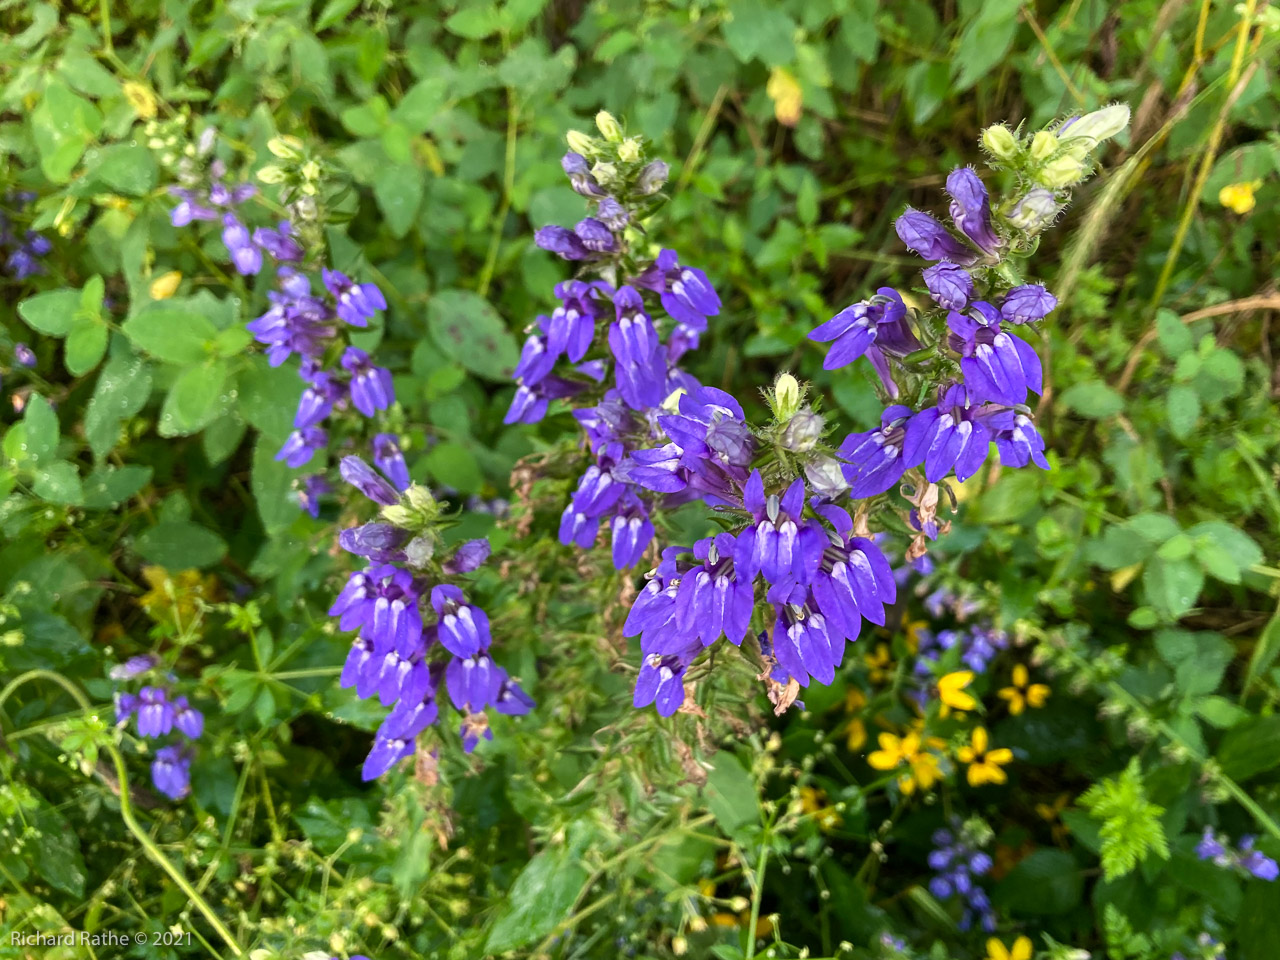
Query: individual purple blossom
562,242
780,544
155,712
686,293
302,445
580,178
463,628
244,254
363,477
873,461
1254,862
469,556
188,720
380,542
971,210
631,529
1211,847
135,667
371,388
877,324
280,242
310,490
24,355
357,303
997,365
595,236
126,706
652,177
641,367
978,647
854,580
1017,439
529,405
472,680
510,700
396,737
171,771
950,435
613,214
924,235
536,358
1027,302
189,208
316,403
296,322
390,460
949,285
572,325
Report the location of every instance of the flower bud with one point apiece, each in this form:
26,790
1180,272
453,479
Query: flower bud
271,174
579,142
1062,172
286,148
166,285
1000,141
1035,211
1100,125
311,170
608,126
605,173
629,150
652,178
419,551
679,945
825,477
1043,145
802,432
786,396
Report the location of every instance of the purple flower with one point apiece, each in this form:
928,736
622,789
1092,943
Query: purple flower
1210,847
171,771
529,405
1256,863
302,445
595,236
780,544
469,556
317,400
632,531
925,236
189,208
997,365
598,490
686,293
134,667
387,455
23,354
661,682
854,581
641,368
873,461
472,680
1027,302
579,172
875,324
279,243
357,303
380,542
371,388
949,285
804,646
564,243
572,324
296,322
536,359
1017,439
613,214
396,738
188,720
310,491
510,699
126,706
971,210
246,257
155,712
952,434
464,628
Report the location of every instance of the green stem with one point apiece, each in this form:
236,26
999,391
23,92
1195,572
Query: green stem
508,187
757,893
126,805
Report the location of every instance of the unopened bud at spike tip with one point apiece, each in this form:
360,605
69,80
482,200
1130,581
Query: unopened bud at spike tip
608,126
1000,141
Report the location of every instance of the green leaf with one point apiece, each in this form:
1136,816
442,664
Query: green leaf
121,391
107,487
198,396
1235,542
1251,748
1172,586
43,432
171,334
731,794
398,190
1258,930
55,851
1220,712
468,329
272,483
1046,883
268,398
1172,334
1131,828
420,104
334,12
63,125
541,897
985,42
474,23
50,313
222,437
59,482
1265,652
758,30
85,346
1093,399
1182,406
180,545
454,465
125,168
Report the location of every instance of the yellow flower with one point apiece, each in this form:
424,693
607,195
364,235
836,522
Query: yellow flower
784,90
141,99
912,630
879,663
814,803
951,690
1238,197
1023,693
1021,949
856,734
896,751
166,285
984,764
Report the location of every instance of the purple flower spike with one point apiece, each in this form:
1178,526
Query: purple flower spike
686,293
371,388
924,235
361,476
155,712
1028,302
302,446
562,242
171,772
949,285
357,303
387,455
971,210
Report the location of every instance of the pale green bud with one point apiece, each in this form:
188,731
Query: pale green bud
579,142
802,433
1101,124
608,126
787,396
286,148
1035,211
629,150
1062,172
605,173
1043,145
311,170
271,174
1000,141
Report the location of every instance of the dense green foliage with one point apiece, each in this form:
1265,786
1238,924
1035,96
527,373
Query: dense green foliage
143,511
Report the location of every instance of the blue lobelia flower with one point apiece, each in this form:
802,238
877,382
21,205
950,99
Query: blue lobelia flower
854,581
463,628
949,285
245,255
396,737
387,455
322,392
780,544
598,490
580,178
1027,302
873,325
469,556
155,712
188,720
686,293
171,771
873,461
997,365
296,321
641,363
971,210
631,529
562,242
371,388
357,303
280,243
363,477
952,434
925,236
715,598
595,235
379,542
472,681
310,490
661,680
572,325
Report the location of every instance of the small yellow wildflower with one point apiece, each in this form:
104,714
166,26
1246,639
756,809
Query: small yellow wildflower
1239,197
1023,693
951,691
1021,949
984,764
856,734
140,98
879,664
174,598
166,285
788,99
896,751
814,802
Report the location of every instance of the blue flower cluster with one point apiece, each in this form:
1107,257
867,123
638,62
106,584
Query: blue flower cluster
157,713
1243,857
21,249
398,656
956,862
979,645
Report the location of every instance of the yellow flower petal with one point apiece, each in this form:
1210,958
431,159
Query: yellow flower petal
1020,675
1002,755
980,739
965,754
996,950
784,90
1037,694
883,760
1021,949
